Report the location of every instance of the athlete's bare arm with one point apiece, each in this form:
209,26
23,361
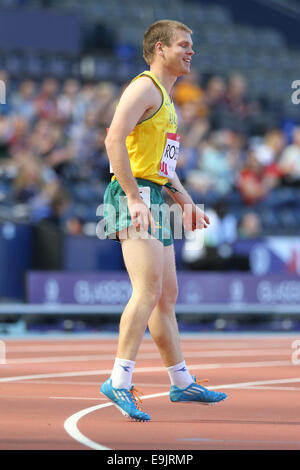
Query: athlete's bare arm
140,100
193,216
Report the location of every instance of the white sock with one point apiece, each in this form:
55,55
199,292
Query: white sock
122,373
179,375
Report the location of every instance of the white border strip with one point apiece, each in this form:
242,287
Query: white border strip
227,365
75,309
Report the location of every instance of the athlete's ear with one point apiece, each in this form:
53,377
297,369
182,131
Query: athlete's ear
159,48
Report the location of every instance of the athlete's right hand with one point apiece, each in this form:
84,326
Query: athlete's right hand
140,214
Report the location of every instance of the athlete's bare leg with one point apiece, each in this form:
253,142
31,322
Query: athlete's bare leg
144,262
162,323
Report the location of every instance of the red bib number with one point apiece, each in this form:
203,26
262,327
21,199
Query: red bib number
170,156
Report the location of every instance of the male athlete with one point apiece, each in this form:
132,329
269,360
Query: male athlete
142,146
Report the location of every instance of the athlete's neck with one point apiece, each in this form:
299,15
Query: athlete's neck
164,77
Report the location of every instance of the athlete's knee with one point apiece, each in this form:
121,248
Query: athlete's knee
168,297
149,293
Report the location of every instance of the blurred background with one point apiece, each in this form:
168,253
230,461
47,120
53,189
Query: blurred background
64,64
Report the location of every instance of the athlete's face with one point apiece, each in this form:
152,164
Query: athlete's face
179,54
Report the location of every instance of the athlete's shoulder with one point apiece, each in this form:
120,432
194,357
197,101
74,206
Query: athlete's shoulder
142,87
145,81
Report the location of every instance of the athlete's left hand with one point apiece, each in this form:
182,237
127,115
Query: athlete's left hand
194,217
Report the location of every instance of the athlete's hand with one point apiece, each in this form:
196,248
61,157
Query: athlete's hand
140,214
194,217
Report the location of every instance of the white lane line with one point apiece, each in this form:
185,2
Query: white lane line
265,387
82,383
198,367
71,424
81,373
71,428
58,382
109,357
265,382
60,347
78,398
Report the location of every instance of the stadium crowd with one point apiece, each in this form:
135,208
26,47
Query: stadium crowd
53,162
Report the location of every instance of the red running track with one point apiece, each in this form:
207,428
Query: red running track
49,395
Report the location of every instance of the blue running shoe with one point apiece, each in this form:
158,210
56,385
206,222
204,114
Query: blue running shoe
125,400
195,393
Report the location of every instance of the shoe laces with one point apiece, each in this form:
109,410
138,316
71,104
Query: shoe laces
135,393
201,381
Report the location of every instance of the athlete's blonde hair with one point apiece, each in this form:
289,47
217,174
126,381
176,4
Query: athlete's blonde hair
161,31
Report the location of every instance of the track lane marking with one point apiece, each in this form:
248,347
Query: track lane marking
71,423
78,398
150,356
199,367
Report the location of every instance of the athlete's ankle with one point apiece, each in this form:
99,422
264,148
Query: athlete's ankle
179,375
121,374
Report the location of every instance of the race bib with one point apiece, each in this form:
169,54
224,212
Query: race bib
145,194
170,156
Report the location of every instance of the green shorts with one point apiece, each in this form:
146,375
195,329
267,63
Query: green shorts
117,217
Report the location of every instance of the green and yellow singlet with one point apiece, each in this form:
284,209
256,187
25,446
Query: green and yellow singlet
147,141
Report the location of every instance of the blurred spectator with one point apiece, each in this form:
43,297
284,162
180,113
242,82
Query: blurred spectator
5,108
19,131
289,162
59,204
105,102
52,136
236,98
83,135
90,151
85,101
5,134
250,180
191,129
40,139
250,226
46,102
97,163
236,112
215,92
74,226
23,100
255,181
269,152
217,161
67,101
188,90
32,180
49,142
48,242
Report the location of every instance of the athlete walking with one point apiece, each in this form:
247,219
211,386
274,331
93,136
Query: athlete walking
142,146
